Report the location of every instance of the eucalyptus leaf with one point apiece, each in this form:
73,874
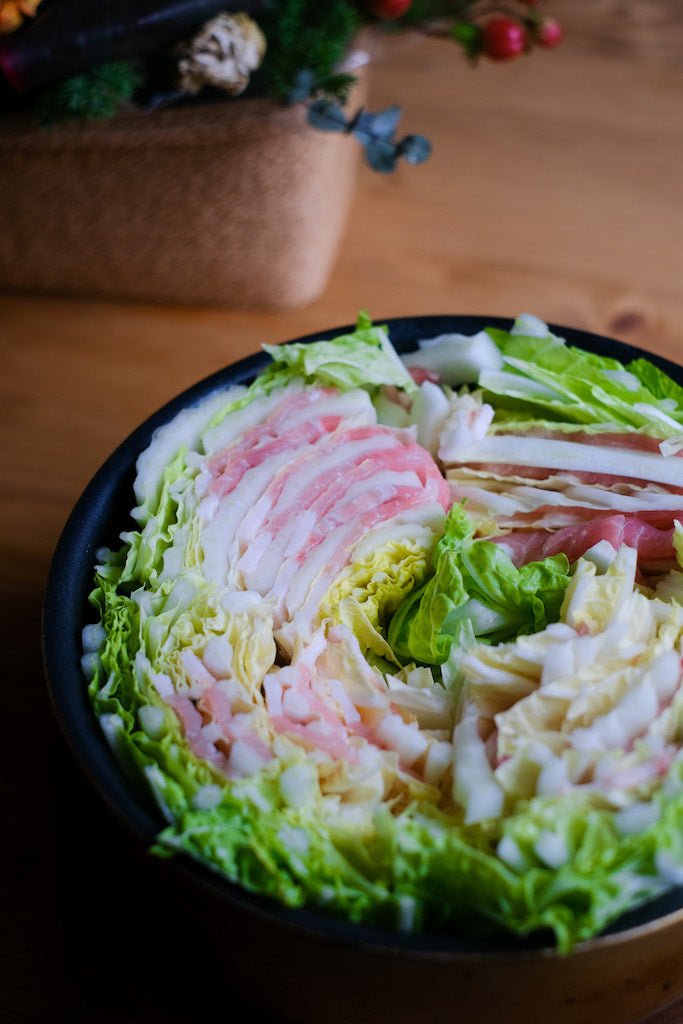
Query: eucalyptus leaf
415,149
384,124
381,155
327,116
375,132
305,85
360,126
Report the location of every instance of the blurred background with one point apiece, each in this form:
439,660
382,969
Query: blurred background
554,187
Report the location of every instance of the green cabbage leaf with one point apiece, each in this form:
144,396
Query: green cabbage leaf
475,590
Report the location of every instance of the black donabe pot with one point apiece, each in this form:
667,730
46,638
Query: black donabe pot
304,965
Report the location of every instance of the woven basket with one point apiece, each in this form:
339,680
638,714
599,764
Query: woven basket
233,204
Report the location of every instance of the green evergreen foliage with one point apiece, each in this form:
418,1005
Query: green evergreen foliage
307,43
94,95
425,10
307,40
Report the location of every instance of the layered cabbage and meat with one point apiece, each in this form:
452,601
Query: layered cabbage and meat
400,638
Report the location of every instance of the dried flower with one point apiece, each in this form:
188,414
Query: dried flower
223,54
13,12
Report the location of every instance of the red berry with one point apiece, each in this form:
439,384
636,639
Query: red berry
549,33
388,9
503,39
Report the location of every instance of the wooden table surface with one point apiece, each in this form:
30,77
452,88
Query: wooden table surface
555,187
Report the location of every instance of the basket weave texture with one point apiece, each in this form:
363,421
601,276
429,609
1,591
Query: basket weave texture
232,204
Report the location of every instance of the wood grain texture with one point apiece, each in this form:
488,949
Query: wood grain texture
554,187
646,30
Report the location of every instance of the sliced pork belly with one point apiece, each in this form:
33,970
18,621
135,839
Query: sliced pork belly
565,491
287,500
300,417
312,485
298,565
314,572
262,442
654,545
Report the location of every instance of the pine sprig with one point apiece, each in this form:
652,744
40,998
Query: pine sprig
307,42
94,95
